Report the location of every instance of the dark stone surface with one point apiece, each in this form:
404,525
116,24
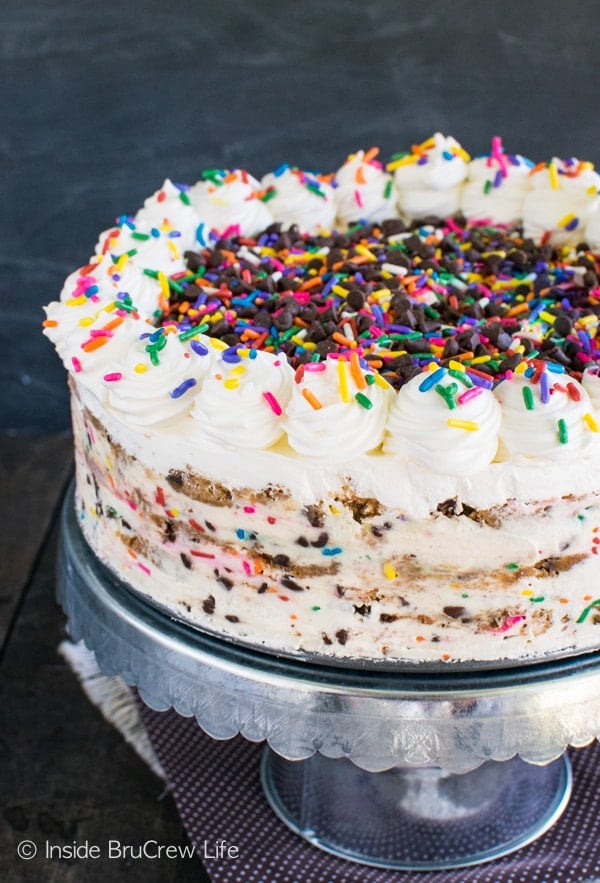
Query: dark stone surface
102,101
33,473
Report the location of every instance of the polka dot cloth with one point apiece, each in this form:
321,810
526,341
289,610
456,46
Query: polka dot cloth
218,794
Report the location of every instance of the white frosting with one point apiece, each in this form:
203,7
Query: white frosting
115,333
82,298
157,236
591,384
170,206
144,290
495,188
229,200
563,198
534,431
146,392
296,200
592,230
242,402
429,181
365,191
335,427
418,427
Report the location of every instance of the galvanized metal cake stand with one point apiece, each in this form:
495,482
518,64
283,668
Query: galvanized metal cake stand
397,769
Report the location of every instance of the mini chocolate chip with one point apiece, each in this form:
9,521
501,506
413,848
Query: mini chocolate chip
355,299
208,605
282,560
283,320
563,325
363,610
170,532
451,348
224,580
314,515
454,612
291,584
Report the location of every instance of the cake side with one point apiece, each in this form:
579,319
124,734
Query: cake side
339,575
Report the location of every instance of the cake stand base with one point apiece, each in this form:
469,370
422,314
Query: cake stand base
416,819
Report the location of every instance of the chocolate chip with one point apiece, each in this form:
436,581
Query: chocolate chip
291,584
208,605
562,325
448,507
224,580
355,299
282,560
314,515
363,610
454,612
392,227
451,348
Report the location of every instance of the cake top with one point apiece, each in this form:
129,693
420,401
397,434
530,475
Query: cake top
303,303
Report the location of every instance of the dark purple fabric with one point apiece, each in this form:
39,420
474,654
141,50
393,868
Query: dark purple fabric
218,794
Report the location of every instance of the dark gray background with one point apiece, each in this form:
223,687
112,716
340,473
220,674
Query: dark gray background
102,100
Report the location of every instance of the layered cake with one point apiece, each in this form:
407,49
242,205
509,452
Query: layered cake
350,416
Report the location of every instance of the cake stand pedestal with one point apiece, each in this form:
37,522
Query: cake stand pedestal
396,769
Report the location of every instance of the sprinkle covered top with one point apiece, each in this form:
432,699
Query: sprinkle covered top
209,304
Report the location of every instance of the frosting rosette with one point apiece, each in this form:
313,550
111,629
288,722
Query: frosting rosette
155,381
157,236
545,414
562,200
87,350
337,412
228,202
496,186
365,191
429,178
243,399
304,199
85,293
444,422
